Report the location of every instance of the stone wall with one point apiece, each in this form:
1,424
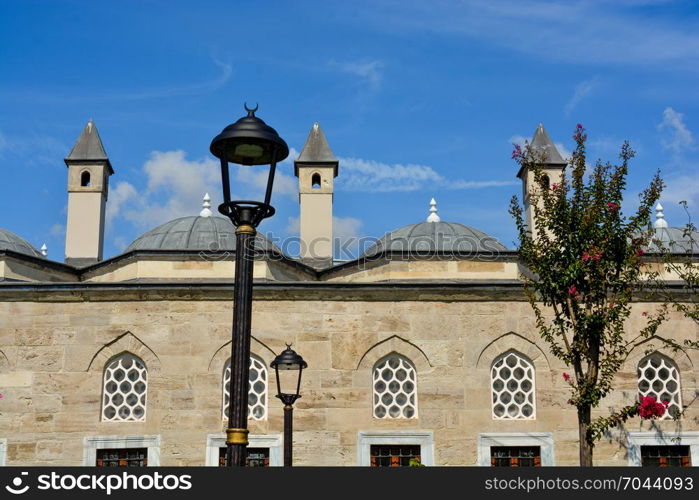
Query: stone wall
52,355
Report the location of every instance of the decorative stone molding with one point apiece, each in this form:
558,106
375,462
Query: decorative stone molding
682,438
544,440
424,439
94,443
512,341
127,342
398,345
222,355
271,441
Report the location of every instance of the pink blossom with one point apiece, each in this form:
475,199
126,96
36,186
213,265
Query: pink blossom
650,408
640,252
612,206
566,377
516,152
572,290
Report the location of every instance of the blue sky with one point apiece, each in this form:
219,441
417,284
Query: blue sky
417,99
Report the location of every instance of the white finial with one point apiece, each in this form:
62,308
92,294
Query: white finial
660,222
206,212
433,217
315,126
44,250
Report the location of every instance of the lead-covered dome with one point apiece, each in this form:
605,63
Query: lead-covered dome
434,235
10,241
195,233
674,240
202,232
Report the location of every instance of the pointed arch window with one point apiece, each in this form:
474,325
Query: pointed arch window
395,388
257,392
512,383
124,389
659,377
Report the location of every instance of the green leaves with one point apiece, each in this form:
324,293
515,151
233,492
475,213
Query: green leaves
585,262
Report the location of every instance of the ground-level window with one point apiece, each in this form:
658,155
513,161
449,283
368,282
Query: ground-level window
132,448
400,455
516,449
515,456
395,448
257,457
122,457
665,456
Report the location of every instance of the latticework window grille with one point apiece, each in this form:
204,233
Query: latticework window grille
659,377
125,385
513,387
395,388
257,393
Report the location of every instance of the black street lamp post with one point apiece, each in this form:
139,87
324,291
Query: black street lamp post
288,361
249,141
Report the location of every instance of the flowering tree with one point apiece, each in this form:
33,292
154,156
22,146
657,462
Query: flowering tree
585,265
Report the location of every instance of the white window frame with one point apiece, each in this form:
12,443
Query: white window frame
3,451
423,438
94,443
636,439
272,441
544,440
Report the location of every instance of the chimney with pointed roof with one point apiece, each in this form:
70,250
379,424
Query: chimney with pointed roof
89,169
316,168
553,166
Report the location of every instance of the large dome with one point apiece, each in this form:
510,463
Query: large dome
195,233
10,241
442,237
674,240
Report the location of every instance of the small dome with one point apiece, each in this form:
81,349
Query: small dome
204,233
444,237
10,241
674,240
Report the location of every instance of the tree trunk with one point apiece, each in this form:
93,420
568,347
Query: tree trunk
584,419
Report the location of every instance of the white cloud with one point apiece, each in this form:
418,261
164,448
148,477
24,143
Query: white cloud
582,90
294,225
346,228
551,31
679,138
122,192
57,230
369,71
681,188
374,176
175,186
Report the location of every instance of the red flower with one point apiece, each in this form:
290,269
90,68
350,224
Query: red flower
516,152
572,290
566,377
650,408
640,252
586,256
612,206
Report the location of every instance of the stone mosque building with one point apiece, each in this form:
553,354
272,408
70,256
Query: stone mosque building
423,347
